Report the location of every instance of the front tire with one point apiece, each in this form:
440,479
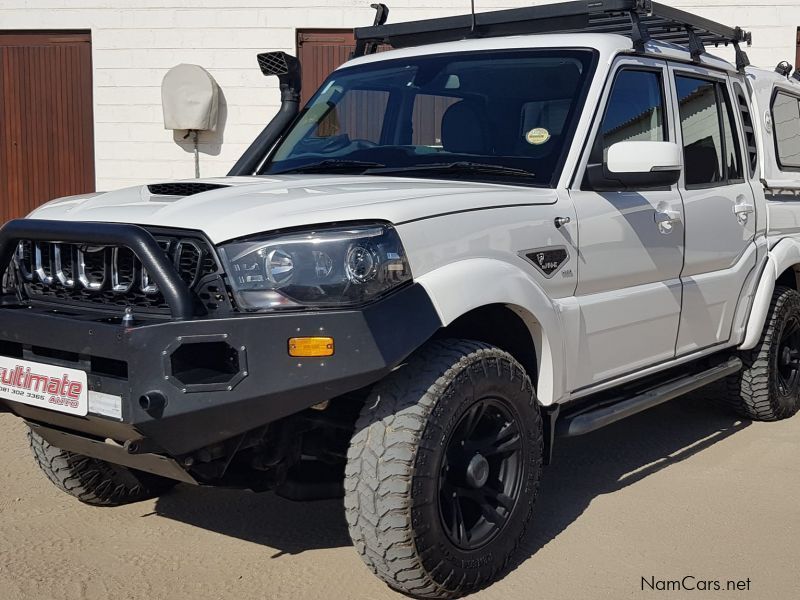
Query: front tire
768,386
94,481
444,469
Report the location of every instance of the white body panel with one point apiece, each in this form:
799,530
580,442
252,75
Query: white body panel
257,204
476,258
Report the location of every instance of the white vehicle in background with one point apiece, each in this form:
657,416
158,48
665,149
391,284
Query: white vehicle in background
508,227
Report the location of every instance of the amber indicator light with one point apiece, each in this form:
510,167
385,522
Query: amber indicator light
311,346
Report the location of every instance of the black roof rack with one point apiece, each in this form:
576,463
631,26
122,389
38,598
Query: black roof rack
641,20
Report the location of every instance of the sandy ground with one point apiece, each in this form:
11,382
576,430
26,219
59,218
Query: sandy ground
684,490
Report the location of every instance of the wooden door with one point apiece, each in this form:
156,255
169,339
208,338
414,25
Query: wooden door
320,52
797,53
46,122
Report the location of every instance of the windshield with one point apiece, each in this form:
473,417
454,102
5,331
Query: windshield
500,116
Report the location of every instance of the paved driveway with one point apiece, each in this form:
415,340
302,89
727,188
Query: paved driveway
684,490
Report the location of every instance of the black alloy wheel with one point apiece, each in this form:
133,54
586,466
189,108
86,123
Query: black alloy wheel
480,475
788,358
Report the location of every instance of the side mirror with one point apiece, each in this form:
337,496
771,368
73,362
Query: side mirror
637,166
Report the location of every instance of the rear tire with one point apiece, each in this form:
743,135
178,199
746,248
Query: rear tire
768,386
443,470
94,481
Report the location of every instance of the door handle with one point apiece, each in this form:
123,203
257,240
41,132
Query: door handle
666,218
743,209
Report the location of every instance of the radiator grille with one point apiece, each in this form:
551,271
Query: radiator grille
112,276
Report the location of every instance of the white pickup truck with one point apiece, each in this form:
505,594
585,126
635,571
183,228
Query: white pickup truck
481,233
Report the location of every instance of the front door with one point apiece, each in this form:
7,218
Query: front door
718,204
629,265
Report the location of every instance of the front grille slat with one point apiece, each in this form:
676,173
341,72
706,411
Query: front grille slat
109,277
123,270
189,258
65,259
43,262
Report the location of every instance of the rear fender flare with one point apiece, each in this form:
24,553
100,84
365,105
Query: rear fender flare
784,255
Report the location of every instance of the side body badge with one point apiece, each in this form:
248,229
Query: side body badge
546,260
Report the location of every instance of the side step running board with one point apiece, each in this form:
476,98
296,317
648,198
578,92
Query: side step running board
593,419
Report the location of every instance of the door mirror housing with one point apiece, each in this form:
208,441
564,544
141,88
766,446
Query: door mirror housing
636,165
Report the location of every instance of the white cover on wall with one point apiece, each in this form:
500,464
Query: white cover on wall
190,98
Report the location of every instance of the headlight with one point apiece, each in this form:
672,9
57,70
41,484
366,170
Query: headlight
327,267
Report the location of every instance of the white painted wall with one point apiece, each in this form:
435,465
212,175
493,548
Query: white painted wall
136,41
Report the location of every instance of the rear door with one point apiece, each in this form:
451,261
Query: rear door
719,206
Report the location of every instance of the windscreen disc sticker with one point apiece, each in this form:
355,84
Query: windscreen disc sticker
537,136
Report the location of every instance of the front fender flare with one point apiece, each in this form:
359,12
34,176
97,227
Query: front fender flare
462,286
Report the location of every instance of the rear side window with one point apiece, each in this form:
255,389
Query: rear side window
635,111
786,125
711,149
749,130
733,151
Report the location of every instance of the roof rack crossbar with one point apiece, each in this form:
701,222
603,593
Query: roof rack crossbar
641,20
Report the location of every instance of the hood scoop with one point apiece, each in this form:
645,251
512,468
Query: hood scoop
183,188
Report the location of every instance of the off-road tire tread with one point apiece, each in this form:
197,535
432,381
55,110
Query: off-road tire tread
750,392
94,481
381,459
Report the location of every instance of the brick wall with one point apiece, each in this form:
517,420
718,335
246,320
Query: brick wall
135,42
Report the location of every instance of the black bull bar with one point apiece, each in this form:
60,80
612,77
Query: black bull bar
138,240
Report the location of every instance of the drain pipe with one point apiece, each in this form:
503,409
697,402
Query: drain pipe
287,68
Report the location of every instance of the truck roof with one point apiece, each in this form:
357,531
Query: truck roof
607,44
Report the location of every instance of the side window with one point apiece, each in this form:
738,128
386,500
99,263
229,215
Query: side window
711,149
786,125
635,111
700,125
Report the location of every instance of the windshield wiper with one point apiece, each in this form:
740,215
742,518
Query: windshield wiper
331,164
462,166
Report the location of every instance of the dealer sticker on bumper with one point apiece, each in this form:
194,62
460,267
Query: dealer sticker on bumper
45,386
